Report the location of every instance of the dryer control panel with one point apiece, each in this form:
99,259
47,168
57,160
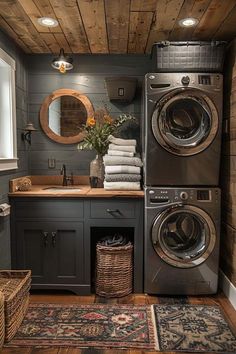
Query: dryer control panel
162,196
167,81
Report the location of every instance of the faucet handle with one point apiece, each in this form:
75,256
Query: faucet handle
72,178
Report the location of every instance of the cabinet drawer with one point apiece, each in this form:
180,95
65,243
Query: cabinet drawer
49,209
112,209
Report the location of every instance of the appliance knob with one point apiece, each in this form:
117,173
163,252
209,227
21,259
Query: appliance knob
185,80
184,195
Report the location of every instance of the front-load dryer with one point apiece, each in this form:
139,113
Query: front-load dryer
182,129
182,234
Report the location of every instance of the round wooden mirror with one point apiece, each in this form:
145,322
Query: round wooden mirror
63,114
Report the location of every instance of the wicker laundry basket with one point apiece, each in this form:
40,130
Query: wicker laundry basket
15,285
114,270
2,323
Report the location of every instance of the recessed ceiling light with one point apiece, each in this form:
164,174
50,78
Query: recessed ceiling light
188,22
47,22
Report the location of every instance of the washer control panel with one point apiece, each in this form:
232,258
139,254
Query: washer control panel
161,196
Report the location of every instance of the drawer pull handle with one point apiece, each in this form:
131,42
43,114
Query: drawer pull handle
45,238
54,234
112,211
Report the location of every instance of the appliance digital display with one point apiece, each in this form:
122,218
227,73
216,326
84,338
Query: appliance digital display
204,79
203,195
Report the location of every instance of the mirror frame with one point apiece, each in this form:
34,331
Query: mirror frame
44,118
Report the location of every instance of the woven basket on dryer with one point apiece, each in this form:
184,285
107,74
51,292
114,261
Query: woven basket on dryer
2,323
15,285
114,270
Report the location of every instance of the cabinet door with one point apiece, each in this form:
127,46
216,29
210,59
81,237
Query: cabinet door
67,249
32,250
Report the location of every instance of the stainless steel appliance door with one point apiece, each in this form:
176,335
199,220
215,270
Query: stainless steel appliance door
185,121
183,236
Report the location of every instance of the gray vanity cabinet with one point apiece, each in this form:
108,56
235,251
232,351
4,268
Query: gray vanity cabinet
56,238
32,250
52,250
50,242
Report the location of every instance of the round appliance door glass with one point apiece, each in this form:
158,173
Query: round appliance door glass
183,236
185,122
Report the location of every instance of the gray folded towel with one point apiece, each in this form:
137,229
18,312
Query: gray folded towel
119,141
122,169
122,177
120,160
122,148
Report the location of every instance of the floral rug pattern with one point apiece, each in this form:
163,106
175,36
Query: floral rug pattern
193,328
104,326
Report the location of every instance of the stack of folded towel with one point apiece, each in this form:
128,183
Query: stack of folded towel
122,166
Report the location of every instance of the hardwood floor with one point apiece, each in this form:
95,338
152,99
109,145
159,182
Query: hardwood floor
43,297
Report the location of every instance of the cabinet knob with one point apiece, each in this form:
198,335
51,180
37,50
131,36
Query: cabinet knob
45,238
54,235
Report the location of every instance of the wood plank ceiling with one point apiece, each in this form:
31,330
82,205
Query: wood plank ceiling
113,26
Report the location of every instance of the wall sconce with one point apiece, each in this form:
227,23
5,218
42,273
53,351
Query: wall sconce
62,62
26,136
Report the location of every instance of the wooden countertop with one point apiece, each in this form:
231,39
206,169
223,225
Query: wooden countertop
85,192
42,186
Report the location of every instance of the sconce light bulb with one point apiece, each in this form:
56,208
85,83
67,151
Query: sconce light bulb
62,68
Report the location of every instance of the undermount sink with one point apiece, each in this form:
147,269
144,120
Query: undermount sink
63,188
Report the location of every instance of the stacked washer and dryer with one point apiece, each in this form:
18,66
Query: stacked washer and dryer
182,144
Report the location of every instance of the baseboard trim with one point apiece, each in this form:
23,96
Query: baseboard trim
228,288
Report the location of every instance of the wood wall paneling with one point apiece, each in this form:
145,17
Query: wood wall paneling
228,169
228,252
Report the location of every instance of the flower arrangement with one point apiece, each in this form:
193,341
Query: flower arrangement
98,128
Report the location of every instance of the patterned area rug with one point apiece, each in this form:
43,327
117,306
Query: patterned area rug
193,328
100,326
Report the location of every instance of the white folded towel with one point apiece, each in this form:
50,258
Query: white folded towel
122,169
120,153
128,186
122,160
122,148
119,141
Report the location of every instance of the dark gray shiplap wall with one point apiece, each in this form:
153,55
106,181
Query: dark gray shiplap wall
88,77
21,115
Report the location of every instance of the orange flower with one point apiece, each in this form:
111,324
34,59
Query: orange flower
91,121
108,119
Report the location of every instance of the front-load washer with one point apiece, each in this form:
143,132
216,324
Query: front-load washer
182,129
182,233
